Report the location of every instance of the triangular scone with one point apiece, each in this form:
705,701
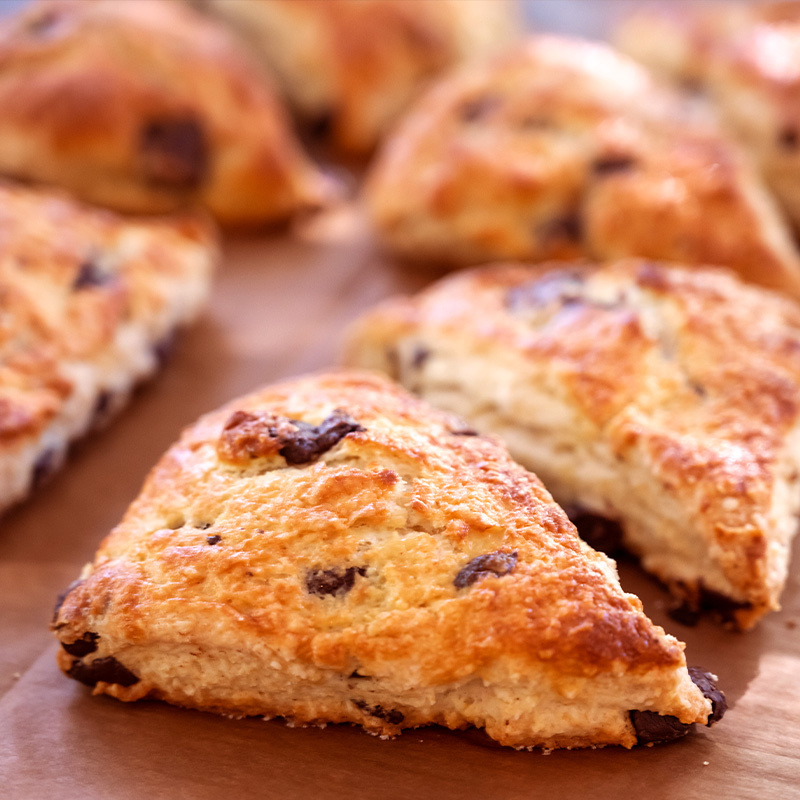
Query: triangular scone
358,63
743,57
89,302
335,550
145,107
563,148
666,400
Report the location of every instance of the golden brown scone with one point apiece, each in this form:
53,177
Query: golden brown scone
332,549
147,106
664,400
564,148
352,66
745,56
88,303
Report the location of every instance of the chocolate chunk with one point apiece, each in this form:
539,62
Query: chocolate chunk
497,563
247,436
321,125
174,152
108,670
557,286
704,681
697,601
464,432
788,137
44,466
567,228
84,646
601,533
391,716
608,165
90,275
685,613
215,539
654,728
163,349
332,581
478,108
419,356
63,596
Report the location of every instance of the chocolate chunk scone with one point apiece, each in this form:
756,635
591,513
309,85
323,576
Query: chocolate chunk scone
563,148
334,550
147,106
742,57
88,302
666,401
350,67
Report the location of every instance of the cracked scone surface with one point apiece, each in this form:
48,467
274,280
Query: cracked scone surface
666,400
563,148
147,107
334,550
89,302
742,57
352,66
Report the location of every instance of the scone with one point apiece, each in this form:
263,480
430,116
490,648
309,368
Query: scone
744,56
334,550
147,106
89,301
351,66
666,401
563,148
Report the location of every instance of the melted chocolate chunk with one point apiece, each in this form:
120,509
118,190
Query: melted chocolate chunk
608,165
558,286
478,108
497,563
654,728
90,275
685,613
108,670
63,596
704,681
215,539
321,125
44,466
788,138
335,582
84,646
601,533
174,152
568,228
310,441
689,610
163,349
391,716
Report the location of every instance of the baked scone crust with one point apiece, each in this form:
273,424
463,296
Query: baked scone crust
89,301
147,107
352,66
666,400
560,149
334,550
743,55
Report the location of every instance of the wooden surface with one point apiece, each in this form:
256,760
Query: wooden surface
278,309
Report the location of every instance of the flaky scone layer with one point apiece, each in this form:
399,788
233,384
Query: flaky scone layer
334,550
352,66
667,400
146,107
562,148
89,302
743,57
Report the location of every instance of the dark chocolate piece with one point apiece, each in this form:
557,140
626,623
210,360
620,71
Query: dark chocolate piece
91,275
215,539
567,228
497,563
164,348
607,165
44,466
788,137
654,728
324,582
685,613
704,681
601,533
174,152
321,125
84,646
108,670
464,432
419,356
391,716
